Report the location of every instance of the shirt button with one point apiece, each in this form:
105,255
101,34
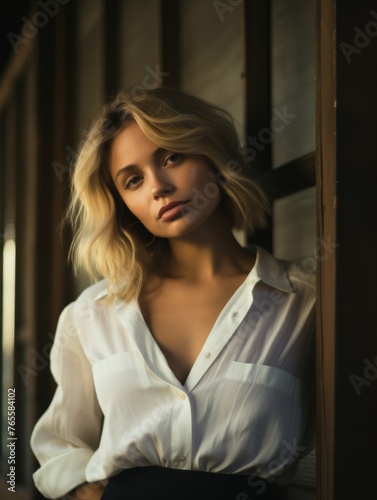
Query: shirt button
183,397
207,355
235,314
181,458
164,462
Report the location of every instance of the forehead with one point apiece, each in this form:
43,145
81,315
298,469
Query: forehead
130,146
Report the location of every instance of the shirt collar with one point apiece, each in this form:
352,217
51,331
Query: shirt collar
270,270
102,294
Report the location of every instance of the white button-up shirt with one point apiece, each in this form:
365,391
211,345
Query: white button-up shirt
244,408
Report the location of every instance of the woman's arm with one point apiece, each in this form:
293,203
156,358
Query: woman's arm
87,491
67,435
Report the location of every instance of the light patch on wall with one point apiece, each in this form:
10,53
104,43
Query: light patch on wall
9,292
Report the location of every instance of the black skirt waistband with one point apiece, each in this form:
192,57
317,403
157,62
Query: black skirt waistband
161,483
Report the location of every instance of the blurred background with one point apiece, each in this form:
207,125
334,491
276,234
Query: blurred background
60,59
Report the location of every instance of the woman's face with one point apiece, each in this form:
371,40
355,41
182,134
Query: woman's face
172,194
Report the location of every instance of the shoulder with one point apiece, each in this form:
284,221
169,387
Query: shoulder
87,317
88,302
284,275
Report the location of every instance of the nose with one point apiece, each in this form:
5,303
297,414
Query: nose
161,185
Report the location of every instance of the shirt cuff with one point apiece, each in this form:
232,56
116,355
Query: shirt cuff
63,473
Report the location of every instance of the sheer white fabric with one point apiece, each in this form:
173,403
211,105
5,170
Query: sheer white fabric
244,408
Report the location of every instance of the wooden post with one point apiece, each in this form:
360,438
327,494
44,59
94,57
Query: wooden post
346,164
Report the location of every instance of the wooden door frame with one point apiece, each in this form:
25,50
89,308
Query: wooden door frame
347,323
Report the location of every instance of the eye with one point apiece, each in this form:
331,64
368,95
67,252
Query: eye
132,182
173,158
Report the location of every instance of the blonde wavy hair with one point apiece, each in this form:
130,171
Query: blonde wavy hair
108,240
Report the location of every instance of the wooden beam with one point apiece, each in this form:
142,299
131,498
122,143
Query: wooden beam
111,24
326,228
257,74
291,177
347,343
169,45
14,68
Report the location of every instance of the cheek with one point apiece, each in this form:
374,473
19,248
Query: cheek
141,211
132,204
201,178
208,186
137,210
212,190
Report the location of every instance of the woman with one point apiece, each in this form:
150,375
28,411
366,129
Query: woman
185,372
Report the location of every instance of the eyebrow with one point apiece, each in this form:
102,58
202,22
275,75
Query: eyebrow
156,155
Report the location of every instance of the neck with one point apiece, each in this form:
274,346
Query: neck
204,256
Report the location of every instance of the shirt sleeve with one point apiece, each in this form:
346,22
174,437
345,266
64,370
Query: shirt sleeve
68,433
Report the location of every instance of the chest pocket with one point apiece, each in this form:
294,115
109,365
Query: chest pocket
264,395
119,379
258,407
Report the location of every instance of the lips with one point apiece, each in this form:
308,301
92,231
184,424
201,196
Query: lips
170,210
